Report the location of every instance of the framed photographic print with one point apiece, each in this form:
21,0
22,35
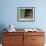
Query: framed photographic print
26,14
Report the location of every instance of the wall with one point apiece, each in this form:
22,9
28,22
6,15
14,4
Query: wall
9,13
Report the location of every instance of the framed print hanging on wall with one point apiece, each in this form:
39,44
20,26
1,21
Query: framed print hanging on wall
26,14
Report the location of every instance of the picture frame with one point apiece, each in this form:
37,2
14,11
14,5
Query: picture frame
26,14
